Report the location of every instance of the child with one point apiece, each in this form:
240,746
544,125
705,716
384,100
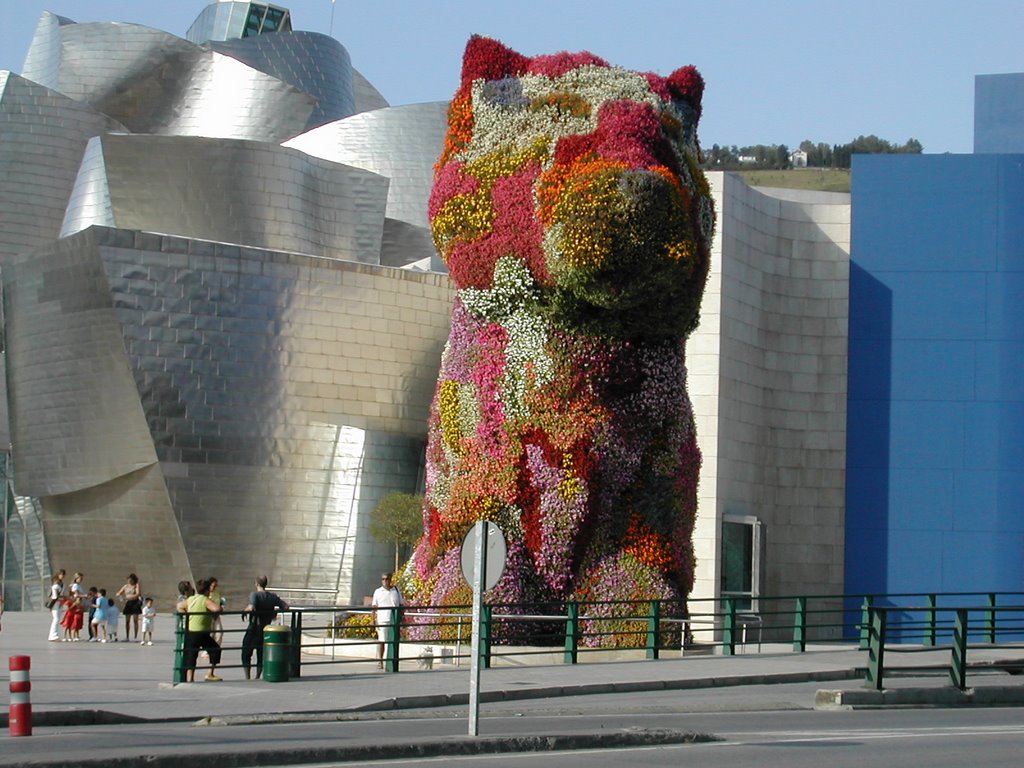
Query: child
65,620
113,614
99,617
76,614
148,614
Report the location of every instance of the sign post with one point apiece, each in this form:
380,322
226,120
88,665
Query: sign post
483,561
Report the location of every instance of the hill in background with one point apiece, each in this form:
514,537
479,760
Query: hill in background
820,179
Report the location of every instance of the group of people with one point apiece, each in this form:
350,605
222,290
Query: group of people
74,607
203,607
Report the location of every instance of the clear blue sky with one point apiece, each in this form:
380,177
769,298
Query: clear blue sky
777,73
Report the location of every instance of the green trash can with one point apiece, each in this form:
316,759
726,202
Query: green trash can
277,651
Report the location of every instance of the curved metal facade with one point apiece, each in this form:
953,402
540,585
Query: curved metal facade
316,64
208,367
273,396
42,137
240,192
401,143
154,82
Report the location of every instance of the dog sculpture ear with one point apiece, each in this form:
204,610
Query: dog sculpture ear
489,59
687,85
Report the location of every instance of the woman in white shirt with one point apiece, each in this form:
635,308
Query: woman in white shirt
56,593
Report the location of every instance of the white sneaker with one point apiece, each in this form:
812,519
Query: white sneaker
142,642
149,643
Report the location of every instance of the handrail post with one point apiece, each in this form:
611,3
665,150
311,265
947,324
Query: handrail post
295,652
958,662
728,626
653,621
178,674
485,636
990,619
865,622
572,632
930,627
391,646
876,647
800,625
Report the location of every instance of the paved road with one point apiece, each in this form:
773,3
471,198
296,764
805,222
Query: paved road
355,711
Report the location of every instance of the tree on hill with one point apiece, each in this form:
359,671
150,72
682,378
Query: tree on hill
398,519
759,157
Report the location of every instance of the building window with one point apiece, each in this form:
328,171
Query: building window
741,560
262,19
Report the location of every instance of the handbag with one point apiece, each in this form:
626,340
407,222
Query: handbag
50,603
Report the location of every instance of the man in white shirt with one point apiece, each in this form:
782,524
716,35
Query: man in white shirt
385,597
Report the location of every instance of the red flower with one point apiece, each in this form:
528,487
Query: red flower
557,64
687,84
489,59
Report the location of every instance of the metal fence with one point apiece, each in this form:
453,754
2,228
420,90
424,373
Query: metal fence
575,631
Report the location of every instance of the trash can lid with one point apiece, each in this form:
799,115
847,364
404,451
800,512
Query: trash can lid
276,628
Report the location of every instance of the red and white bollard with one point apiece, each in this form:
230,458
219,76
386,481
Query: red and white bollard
20,715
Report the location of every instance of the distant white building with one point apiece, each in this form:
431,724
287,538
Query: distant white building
798,158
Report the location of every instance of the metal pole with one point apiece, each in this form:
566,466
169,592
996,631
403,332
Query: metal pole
480,558
876,648
958,662
800,626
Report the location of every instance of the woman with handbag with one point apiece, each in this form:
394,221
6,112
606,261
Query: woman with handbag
54,604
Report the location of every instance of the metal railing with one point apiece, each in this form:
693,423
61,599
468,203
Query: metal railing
887,628
339,635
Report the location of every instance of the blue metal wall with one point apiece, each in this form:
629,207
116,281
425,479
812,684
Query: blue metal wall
935,463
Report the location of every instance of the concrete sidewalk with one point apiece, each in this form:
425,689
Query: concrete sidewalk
82,684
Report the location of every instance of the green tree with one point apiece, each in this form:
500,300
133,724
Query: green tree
398,520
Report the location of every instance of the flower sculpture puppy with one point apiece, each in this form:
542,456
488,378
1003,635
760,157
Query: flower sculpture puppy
575,222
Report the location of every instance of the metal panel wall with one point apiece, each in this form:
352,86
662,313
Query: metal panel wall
281,394
75,417
231,191
42,137
316,64
154,82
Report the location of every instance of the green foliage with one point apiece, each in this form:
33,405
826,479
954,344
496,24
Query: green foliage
819,155
355,626
398,520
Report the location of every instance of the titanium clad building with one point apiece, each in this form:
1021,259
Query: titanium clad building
210,367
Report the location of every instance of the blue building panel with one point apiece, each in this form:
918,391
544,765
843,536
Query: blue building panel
1006,306
933,369
1000,371
976,491
999,113
974,561
921,500
994,439
935,452
925,434
922,548
948,191
938,305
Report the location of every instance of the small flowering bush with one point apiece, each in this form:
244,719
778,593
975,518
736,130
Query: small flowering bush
575,222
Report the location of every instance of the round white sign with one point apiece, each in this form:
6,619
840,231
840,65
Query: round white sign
496,554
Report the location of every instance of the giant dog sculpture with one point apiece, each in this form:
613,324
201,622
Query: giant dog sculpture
576,224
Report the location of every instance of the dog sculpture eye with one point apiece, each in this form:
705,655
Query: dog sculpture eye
576,224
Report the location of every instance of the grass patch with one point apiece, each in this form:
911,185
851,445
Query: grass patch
819,179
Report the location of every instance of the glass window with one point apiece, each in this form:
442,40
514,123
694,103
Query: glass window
741,560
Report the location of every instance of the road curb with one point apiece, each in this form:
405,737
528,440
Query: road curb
988,696
453,746
441,700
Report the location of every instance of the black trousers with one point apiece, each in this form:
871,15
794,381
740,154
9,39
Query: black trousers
253,641
194,641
